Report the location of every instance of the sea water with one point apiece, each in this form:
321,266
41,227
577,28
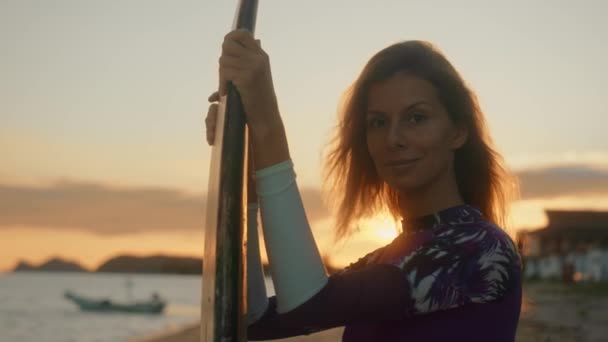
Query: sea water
32,306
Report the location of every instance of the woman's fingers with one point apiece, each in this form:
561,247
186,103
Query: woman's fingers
234,48
243,37
229,74
232,62
241,56
215,97
233,55
210,123
246,65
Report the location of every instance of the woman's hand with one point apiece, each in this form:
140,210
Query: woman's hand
210,125
247,66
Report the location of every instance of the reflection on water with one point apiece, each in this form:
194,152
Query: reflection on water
32,306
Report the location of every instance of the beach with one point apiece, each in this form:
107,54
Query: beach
550,312
191,332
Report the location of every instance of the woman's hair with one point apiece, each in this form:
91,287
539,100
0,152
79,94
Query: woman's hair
351,180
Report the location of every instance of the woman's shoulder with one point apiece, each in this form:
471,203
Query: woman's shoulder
484,253
479,258
480,238
478,241
473,232
368,259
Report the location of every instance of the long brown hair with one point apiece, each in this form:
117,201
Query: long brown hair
351,181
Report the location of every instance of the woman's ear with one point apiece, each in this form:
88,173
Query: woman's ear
461,134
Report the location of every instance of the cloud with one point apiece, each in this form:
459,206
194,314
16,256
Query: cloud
578,180
100,209
103,209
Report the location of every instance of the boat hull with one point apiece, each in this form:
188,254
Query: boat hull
105,305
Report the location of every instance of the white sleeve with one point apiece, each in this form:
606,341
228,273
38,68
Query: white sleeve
297,269
257,299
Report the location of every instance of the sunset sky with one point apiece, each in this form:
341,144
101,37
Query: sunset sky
102,106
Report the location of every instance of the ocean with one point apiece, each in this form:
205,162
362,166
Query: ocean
32,306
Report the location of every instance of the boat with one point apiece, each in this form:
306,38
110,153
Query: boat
155,305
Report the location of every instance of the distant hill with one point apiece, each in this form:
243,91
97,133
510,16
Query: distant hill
24,266
134,264
152,264
52,265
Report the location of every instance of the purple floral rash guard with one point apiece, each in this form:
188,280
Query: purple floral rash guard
451,275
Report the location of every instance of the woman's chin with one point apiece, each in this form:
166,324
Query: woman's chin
405,185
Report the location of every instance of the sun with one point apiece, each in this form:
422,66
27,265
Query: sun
381,228
386,234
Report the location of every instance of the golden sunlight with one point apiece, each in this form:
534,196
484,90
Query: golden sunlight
381,228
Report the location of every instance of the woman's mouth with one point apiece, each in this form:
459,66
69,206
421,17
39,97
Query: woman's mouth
401,163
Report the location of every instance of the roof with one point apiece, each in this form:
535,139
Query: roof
577,224
586,233
572,219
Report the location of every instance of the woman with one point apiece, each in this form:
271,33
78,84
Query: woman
411,139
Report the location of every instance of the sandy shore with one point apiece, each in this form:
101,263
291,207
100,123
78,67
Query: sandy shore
191,334
549,314
557,312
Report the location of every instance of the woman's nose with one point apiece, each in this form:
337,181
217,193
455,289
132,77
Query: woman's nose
395,137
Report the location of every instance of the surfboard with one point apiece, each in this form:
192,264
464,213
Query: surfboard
223,292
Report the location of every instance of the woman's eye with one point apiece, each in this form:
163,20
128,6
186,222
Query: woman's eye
376,123
416,118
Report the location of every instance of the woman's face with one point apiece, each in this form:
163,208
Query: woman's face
410,137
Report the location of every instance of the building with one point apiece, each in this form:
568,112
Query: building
573,247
